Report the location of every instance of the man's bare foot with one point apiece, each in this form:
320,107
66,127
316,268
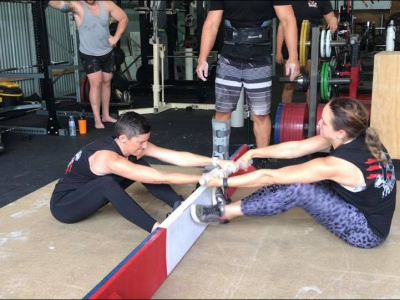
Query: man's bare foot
108,119
98,125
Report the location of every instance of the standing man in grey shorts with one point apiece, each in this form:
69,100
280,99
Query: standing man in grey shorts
245,60
95,48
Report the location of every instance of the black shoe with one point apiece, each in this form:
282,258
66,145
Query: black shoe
175,206
217,195
209,214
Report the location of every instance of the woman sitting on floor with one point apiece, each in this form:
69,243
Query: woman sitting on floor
351,192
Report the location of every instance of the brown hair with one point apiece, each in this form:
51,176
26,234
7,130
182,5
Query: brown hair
351,116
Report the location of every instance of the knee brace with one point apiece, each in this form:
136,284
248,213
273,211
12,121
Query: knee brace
221,132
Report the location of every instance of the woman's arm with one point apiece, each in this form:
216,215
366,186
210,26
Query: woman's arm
107,162
326,168
182,158
288,150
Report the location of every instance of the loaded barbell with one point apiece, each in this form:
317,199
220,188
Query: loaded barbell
326,43
325,79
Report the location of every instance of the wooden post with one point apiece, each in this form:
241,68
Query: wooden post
385,108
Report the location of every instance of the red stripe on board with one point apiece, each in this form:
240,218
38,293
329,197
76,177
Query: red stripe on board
140,274
238,153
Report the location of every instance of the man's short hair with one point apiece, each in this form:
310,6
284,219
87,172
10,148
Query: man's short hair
131,124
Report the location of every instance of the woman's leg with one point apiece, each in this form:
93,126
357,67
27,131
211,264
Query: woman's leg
164,192
319,201
85,201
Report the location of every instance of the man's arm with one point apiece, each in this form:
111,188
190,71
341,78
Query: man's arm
331,21
286,16
64,6
120,16
279,44
208,36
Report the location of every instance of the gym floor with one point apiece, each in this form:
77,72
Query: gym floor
286,256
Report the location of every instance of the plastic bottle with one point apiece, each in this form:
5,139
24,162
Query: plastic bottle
390,36
71,126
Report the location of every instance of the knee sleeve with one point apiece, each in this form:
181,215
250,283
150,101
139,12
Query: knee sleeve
221,132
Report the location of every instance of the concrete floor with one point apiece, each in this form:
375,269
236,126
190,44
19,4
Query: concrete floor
286,256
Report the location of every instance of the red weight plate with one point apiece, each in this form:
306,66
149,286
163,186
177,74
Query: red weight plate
320,107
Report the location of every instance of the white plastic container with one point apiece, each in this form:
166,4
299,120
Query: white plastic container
390,36
71,126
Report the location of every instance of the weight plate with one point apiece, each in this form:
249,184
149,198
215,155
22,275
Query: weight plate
322,44
293,120
306,39
328,39
277,123
301,44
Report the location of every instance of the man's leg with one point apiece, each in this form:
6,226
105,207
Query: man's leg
258,87
287,93
262,130
228,85
105,97
107,67
85,201
95,80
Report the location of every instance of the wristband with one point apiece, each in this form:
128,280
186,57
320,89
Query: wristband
214,161
225,182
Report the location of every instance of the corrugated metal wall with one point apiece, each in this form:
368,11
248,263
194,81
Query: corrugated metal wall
17,44
61,48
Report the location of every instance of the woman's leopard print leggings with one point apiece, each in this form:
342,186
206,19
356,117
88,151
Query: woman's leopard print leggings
321,203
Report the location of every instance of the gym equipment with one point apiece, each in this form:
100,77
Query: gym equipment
296,121
119,57
325,43
290,122
53,63
12,102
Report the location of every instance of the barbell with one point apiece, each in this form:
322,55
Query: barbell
326,43
325,79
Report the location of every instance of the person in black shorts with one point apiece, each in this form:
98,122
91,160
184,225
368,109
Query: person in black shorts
245,61
96,48
101,171
313,11
351,191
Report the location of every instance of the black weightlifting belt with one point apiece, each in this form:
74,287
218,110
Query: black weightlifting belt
248,36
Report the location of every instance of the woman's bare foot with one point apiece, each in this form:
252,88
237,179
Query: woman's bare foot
98,124
108,119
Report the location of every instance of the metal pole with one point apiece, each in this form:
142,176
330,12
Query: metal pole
313,81
43,54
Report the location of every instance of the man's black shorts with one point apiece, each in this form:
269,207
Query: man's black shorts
92,64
